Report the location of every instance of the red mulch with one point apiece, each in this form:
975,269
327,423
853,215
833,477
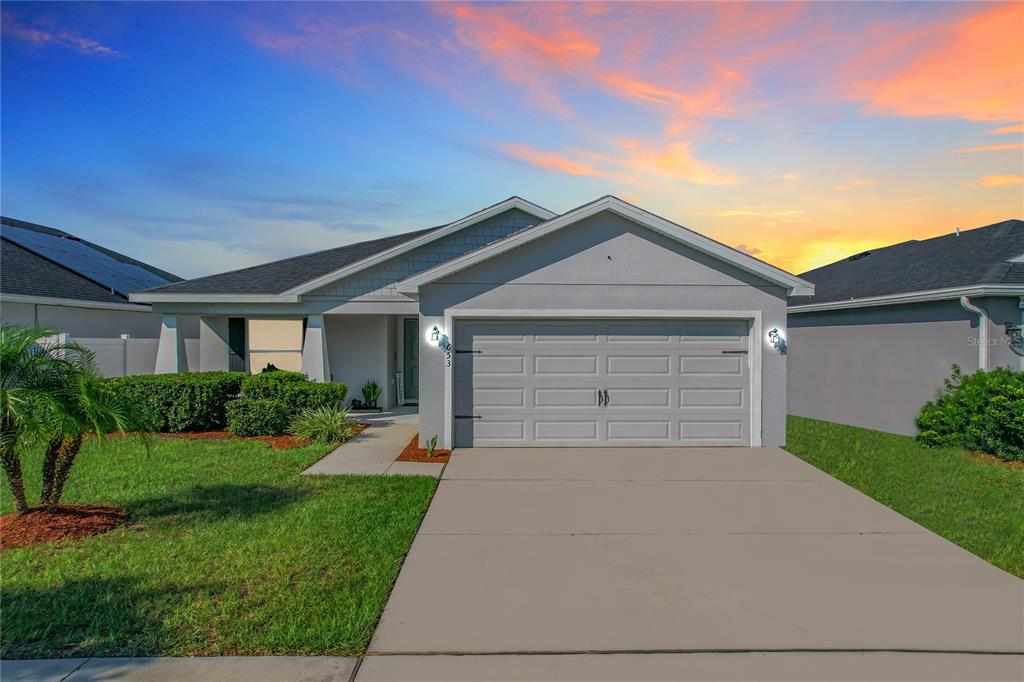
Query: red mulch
414,453
69,522
282,442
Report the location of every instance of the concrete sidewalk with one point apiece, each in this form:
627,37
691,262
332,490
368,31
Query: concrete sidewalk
222,669
374,450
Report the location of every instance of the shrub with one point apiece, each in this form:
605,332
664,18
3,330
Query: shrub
324,424
257,417
981,411
189,401
294,389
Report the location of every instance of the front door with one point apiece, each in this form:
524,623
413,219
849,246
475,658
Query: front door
411,359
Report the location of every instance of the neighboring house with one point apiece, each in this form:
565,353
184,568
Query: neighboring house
514,326
885,327
50,278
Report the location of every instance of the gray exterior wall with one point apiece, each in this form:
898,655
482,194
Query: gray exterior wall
360,348
379,281
83,322
876,367
603,263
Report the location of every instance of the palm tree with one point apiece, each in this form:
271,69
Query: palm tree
51,396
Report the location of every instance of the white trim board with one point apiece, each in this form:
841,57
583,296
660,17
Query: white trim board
756,347
293,295
793,284
913,297
74,303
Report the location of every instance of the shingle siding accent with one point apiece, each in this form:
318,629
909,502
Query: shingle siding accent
380,281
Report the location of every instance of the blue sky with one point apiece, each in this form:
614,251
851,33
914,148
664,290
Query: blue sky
204,137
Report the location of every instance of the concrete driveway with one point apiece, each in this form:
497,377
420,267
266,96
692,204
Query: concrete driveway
654,563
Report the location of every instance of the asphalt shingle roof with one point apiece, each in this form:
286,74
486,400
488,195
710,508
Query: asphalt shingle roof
27,273
978,256
281,275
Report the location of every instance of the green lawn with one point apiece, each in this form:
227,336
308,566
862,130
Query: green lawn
230,552
974,502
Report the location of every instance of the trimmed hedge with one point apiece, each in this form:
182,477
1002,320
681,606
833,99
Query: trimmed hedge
258,417
981,411
294,389
291,392
172,403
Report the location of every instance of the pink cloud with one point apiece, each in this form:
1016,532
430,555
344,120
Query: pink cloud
997,180
40,36
855,184
991,148
1006,130
968,68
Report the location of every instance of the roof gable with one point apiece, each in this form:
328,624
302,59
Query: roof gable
288,279
742,261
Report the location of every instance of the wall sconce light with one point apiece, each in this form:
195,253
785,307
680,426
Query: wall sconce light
779,343
435,334
1013,331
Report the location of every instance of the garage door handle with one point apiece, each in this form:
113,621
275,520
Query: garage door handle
606,401
734,352
600,398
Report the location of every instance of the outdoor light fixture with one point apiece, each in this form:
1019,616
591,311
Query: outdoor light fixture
779,343
435,334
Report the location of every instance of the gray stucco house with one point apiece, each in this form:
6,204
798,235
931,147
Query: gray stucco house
515,326
51,278
884,327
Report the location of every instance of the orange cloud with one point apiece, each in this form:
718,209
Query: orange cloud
1006,130
635,166
550,161
677,161
855,184
971,70
991,148
997,180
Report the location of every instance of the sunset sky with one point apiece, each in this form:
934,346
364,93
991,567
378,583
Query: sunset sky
206,137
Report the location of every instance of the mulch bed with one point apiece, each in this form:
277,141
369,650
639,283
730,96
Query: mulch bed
68,522
282,442
992,459
414,453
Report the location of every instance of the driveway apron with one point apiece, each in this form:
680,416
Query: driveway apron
673,550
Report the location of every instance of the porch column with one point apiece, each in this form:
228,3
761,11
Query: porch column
314,350
170,353
213,343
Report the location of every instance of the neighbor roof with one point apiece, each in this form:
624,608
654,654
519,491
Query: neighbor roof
46,262
982,256
296,275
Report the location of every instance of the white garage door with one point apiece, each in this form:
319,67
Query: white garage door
531,383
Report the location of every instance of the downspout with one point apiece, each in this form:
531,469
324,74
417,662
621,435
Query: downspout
966,304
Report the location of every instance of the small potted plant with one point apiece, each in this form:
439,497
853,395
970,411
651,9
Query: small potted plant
371,394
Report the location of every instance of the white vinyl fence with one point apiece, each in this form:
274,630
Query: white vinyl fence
123,356
127,355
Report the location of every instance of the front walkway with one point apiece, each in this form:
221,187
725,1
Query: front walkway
628,563
374,450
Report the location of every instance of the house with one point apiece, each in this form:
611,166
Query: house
515,326
884,327
50,278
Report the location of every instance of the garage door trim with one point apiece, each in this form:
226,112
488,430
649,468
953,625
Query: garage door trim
756,346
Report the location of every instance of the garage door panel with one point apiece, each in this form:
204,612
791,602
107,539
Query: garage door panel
565,430
565,364
668,382
619,430
565,397
711,397
711,430
638,364
639,397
